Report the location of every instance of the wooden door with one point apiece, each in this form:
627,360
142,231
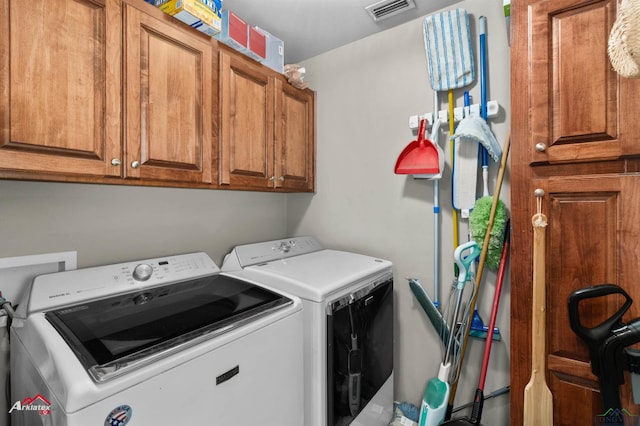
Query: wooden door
169,97
60,86
247,116
574,134
591,238
295,138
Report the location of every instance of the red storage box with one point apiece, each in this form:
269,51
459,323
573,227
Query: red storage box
234,32
257,48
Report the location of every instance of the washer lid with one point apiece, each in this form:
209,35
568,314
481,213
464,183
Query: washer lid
315,276
114,335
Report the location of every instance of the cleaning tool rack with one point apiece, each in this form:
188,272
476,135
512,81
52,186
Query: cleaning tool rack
443,115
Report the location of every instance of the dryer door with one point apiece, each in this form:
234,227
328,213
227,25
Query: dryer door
359,351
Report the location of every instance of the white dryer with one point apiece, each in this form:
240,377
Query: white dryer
163,341
348,325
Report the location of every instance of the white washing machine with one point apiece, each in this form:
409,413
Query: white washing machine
162,341
348,325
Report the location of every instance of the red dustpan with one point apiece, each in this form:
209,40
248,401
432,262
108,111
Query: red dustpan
420,157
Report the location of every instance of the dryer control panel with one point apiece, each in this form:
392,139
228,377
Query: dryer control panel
267,251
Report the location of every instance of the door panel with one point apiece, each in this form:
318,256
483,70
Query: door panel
574,89
294,138
247,108
168,101
585,237
582,236
59,96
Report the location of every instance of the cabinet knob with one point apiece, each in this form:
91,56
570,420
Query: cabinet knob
135,164
115,162
541,147
281,178
272,178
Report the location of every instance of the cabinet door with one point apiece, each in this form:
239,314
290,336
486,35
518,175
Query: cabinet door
168,96
592,238
60,86
247,111
295,138
576,96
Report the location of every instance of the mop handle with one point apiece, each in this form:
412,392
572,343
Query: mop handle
494,309
464,261
454,212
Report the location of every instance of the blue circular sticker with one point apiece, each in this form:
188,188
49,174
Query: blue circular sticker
119,416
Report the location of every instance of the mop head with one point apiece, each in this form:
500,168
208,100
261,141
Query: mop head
447,41
475,129
478,223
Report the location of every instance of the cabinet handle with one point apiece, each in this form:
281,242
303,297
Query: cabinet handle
115,162
135,164
541,147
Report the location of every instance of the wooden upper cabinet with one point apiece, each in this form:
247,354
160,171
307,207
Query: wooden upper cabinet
267,129
60,86
247,109
168,97
116,91
575,94
295,138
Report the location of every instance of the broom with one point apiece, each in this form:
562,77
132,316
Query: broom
491,222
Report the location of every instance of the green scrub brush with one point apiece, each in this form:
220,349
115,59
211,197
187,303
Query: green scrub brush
478,222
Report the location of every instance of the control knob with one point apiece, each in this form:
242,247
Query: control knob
142,272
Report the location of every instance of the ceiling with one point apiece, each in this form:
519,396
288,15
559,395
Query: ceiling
311,27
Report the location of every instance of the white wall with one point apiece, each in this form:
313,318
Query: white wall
110,224
365,93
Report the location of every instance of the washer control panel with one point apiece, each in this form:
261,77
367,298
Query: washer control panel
71,287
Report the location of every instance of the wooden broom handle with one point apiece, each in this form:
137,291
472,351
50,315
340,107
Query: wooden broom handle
538,323
538,400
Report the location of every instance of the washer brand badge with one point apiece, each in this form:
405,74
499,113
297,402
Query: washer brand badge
38,403
119,416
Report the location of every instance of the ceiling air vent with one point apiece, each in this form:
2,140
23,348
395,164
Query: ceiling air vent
387,8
